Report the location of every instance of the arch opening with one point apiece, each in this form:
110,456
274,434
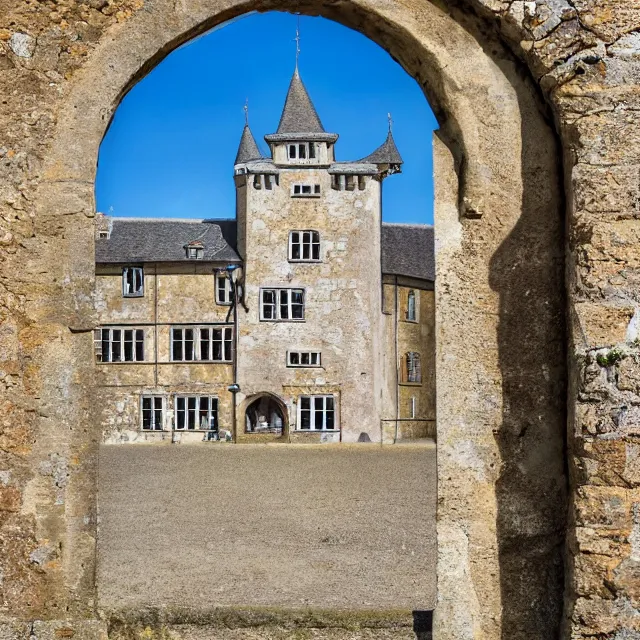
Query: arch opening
498,186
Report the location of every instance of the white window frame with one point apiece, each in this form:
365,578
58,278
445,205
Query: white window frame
197,398
129,289
311,152
109,333
414,367
296,359
198,339
306,190
308,240
163,405
411,314
278,304
312,412
226,292
195,253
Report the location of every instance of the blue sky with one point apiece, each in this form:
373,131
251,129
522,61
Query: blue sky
170,149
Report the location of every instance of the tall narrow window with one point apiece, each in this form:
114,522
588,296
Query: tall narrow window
120,345
292,151
304,246
411,306
282,304
316,413
414,371
223,289
152,413
196,412
132,282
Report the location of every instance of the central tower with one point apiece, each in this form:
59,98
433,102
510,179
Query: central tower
309,347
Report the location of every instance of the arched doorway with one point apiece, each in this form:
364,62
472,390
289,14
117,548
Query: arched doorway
265,414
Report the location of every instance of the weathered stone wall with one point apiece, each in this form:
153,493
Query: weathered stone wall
343,318
63,68
173,294
402,336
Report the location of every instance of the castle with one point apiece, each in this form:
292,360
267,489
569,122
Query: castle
306,319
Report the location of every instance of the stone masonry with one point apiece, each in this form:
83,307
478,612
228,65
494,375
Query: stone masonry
537,229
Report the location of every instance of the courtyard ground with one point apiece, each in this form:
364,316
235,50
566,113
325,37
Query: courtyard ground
289,526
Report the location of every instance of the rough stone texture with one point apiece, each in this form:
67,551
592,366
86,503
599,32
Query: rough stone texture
501,459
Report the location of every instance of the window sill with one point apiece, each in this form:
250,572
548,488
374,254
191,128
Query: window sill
133,295
410,321
316,430
223,304
198,362
306,195
284,320
294,261
304,366
410,384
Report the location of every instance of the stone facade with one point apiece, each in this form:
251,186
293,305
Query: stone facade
327,246
536,230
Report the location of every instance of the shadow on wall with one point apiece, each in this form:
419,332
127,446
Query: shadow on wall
527,271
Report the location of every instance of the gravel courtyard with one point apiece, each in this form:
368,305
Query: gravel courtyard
329,526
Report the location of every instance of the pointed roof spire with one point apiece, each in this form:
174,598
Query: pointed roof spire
248,149
299,115
386,153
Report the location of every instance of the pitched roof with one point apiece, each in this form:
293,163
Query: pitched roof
164,240
248,149
299,115
299,119
408,250
386,153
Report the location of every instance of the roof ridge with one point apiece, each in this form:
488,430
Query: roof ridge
408,224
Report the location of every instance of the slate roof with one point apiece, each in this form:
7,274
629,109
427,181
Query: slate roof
299,119
248,149
408,250
163,240
386,153
299,114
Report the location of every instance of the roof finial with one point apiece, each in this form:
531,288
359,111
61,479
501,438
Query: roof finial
297,39
390,123
246,111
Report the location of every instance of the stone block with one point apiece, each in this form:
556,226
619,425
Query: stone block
601,325
10,499
603,507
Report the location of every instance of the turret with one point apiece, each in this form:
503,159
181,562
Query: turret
300,138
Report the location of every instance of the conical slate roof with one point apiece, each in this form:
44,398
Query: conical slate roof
387,153
248,149
299,120
299,115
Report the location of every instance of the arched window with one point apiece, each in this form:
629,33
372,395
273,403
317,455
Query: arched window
411,306
414,370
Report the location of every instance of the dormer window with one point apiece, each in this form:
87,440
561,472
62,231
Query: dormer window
302,151
195,250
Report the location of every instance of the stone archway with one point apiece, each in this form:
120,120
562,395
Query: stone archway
501,411
264,408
